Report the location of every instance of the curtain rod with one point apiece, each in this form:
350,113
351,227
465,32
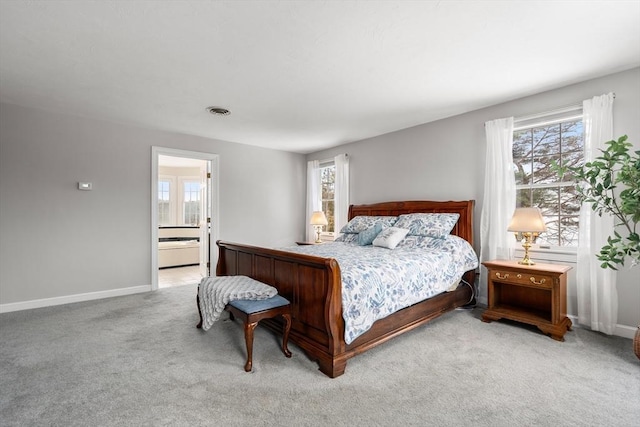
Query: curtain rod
559,110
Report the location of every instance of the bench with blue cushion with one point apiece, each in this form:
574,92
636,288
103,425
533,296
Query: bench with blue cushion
253,311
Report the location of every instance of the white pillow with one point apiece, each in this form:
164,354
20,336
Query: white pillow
390,237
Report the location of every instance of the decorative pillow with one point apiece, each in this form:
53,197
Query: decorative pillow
390,237
367,236
437,225
362,222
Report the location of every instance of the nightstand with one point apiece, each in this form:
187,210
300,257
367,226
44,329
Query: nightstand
533,294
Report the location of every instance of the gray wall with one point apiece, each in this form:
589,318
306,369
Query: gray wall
444,160
57,241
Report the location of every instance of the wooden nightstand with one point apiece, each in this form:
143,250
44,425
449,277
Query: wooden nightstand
533,294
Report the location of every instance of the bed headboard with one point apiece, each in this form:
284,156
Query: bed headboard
464,227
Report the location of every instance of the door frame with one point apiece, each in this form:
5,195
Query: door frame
213,191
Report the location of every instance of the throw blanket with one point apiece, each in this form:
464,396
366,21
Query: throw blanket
216,292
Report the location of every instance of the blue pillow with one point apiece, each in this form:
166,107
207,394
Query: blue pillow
367,236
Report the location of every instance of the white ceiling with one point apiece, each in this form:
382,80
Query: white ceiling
302,75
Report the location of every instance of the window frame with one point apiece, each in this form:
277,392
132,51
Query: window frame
172,197
564,115
326,234
182,180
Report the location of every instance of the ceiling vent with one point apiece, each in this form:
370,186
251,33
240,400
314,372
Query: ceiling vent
218,111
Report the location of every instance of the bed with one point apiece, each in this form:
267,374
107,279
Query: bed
314,286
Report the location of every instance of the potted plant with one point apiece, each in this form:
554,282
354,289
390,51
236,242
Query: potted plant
611,184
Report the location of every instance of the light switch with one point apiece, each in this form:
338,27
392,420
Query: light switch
86,186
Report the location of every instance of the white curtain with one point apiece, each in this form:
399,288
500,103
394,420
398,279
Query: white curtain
314,198
596,287
341,208
499,200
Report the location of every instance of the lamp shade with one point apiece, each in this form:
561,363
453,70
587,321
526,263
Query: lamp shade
318,218
527,220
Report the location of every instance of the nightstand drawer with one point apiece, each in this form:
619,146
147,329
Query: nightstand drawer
523,278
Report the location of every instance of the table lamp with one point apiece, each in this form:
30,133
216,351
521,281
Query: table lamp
318,219
527,224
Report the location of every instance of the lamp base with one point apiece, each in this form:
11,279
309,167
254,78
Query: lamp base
526,245
318,231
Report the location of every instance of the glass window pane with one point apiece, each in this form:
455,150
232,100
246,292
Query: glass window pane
569,204
546,140
328,178
572,137
523,198
542,172
522,144
569,231
164,215
191,205
547,200
572,159
523,171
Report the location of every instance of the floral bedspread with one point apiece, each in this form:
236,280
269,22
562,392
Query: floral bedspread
377,281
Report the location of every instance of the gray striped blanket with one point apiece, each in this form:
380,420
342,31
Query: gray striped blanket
216,292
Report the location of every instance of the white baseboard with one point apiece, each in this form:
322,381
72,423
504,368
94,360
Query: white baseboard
67,299
625,331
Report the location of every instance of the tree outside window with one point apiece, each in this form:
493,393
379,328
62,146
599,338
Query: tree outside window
328,183
537,184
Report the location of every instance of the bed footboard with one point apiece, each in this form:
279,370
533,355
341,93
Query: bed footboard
312,284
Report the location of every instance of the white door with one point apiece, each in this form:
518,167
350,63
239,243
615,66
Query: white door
205,220
210,200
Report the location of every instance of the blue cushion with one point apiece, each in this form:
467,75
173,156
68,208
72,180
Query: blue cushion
367,236
250,306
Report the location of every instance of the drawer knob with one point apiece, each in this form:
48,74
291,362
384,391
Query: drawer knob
502,277
533,280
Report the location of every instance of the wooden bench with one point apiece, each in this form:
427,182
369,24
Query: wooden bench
253,311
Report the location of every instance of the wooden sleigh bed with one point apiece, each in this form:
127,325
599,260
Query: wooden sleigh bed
313,285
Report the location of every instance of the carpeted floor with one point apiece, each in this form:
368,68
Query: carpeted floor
139,361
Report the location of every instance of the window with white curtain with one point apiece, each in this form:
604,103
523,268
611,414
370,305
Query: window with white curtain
328,194
328,190
537,144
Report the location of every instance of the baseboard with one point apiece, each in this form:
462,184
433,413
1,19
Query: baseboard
67,299
625,331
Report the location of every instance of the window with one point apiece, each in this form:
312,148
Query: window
328,184
191,203
535,147
164,202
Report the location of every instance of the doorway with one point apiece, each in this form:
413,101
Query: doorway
184,216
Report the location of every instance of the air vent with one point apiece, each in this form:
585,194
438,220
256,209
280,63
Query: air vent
218,111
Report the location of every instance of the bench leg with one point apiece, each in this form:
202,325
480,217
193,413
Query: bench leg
248,338
199,325
285,339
